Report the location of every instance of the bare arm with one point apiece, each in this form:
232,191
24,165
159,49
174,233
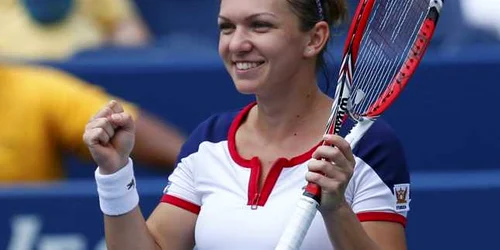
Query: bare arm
168,228
173,227
346,232
388,235
157,143
128,231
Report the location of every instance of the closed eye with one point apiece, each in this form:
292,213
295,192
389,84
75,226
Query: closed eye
226,28
261,26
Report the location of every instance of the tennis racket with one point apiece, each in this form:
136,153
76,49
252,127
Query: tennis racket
385,44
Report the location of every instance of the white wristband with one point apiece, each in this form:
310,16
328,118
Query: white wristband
118,191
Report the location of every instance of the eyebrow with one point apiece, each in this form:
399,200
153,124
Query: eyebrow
252,16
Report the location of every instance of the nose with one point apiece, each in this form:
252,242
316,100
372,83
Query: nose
240,41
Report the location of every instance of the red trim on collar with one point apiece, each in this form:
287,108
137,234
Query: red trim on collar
256,198
231,137
233,151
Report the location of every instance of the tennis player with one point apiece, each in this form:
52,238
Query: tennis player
240,173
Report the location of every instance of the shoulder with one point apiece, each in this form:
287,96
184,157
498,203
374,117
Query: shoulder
34,81
214,129
46,78
57,90
23,74
380,136
381,149
31,70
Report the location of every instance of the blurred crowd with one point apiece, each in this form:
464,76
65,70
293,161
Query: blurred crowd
45,110
56,29
59,29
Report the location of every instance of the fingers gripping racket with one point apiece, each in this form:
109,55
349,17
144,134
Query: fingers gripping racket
385,44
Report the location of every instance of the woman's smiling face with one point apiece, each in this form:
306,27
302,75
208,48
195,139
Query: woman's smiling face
260,43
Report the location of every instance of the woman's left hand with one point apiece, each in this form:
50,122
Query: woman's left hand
332,168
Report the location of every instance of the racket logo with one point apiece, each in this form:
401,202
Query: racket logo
341,115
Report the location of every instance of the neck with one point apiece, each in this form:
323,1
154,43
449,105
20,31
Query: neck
300,112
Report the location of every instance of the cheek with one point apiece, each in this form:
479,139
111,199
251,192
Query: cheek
223,47
285,51
221,50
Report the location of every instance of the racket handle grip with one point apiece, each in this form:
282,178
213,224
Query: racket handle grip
297,227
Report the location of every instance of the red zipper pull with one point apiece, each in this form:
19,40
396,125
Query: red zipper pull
255,201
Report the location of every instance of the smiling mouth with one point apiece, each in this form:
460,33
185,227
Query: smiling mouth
247,65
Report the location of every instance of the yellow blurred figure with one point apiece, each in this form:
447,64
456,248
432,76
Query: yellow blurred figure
56,29
44,112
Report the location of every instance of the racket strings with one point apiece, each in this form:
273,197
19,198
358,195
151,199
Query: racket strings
389,36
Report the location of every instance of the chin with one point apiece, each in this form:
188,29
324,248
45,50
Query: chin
246,87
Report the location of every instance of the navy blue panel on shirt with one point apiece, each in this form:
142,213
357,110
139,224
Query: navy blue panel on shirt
382,150
214,129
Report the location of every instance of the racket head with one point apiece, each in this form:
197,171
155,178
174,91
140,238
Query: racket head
390,55
357,27
340,109
381,53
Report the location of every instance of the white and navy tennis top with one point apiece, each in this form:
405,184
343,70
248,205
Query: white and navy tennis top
212,180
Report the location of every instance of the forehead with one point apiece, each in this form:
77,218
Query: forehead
243,8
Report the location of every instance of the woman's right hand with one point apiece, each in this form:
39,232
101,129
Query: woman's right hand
110,137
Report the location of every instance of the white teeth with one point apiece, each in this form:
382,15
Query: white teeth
246,65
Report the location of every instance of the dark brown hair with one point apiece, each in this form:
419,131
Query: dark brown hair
334,12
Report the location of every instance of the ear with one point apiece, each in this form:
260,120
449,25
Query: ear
317,39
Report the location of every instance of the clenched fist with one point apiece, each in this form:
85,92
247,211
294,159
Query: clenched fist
110,137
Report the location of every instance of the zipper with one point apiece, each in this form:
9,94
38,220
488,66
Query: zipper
255,201
269,182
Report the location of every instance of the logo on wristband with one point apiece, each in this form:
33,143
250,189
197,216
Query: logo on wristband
131,184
